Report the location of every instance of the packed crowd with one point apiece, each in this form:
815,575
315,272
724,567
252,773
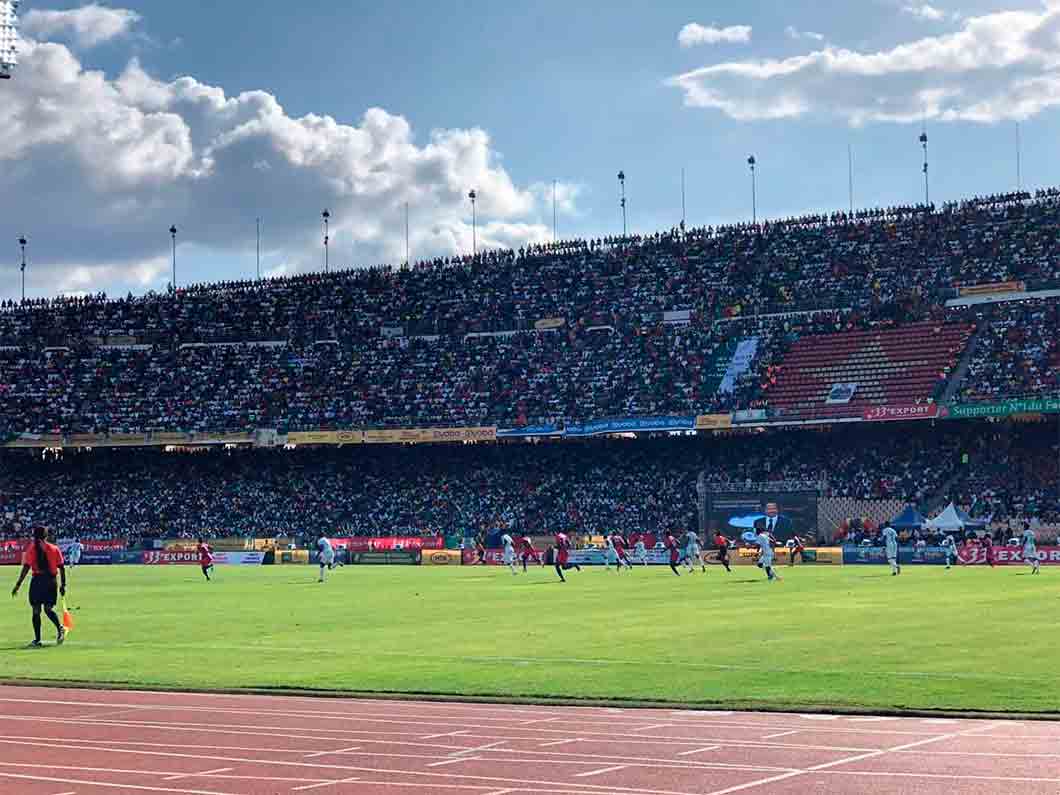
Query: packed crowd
563,332
564,375
587,486
1019,356
884,261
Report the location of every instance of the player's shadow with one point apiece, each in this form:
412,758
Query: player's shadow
744,582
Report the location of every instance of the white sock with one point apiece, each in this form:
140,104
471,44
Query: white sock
322,570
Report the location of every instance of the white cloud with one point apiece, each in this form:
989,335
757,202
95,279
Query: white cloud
87,26
108,164
794,33
999,66
694,34
925,12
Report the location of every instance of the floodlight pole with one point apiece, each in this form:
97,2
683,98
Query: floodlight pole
22,242
754,190
622,198
924,144
474,224
173,236
326,215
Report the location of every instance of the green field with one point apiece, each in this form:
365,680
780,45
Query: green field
851,637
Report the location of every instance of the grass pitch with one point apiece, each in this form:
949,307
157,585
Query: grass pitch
843,637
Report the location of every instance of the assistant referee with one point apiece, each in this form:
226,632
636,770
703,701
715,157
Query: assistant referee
46,562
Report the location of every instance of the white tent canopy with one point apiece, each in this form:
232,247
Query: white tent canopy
949,519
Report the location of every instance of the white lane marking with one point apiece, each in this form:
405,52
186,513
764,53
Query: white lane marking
329,753
561,742
651,727
700,750
819,717
478,748
601,770
324,784
871,719
542,720
436,736
524,783
137,787
194,775
445,762
844,761
267,731
939,776
780,734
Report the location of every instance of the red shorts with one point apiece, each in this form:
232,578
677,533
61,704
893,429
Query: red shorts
673,557
562,556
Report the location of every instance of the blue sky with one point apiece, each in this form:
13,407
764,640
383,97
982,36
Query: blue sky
566,91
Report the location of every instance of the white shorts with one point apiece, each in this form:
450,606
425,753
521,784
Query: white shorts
73,560
1030,554
509,557
327,560
641,550
766,560
892,555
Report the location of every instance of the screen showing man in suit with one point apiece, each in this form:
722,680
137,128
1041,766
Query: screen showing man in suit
784,514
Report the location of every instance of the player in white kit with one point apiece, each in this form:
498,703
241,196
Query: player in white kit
890,541
640,551
73,554
694,552
949,548
327,556
765,554
1030,550
509,552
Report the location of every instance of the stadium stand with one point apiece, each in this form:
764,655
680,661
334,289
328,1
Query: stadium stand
763,318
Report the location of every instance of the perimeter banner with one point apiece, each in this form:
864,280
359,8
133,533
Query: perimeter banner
907,556
1005,408
975,555
162,557
907,411
441,557
325,437
431,435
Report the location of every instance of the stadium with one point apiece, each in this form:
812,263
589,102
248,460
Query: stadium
768,506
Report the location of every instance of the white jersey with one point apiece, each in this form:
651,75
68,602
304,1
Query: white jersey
692,543
509,549
74,553
890,539
327,552
765,549
1030,543
949,546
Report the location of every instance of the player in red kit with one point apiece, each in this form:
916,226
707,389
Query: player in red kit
988,547
563,547
721,543
205,558
527,551
621,545
675,553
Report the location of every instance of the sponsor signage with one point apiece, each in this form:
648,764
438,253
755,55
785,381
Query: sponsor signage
325,437
430,435
1005,408
531,430
164,557
394,557
441,557
911,411
631,425
993,287
749,415
907,556
707,422
974,554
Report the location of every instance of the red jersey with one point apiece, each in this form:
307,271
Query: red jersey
527,545
205,555
619,542
720,541
52,554
562,542
670,542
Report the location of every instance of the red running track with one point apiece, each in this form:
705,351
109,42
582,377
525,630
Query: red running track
82,742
